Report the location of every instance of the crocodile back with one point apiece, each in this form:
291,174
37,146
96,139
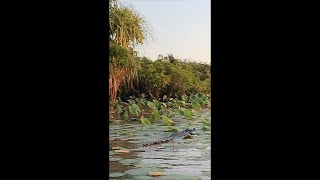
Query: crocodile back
182,134
178,135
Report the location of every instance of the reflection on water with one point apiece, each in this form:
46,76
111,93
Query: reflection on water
190,156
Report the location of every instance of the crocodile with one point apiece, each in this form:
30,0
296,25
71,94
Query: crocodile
179,135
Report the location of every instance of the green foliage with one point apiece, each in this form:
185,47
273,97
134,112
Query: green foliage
145,121
170,77
118,56
127,28
166,120
196,106
206,128
171,113
152,105
124,114
170,129
181,112
206,122
119,109
153,78
187,107
187,114
155,114
167,86
133,110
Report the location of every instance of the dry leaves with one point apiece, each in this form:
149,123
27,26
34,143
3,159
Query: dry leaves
156,173
122,151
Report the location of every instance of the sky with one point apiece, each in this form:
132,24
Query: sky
181,28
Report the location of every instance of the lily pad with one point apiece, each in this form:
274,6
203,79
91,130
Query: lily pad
207,173
206,128
128,161
171,130
178,176
148,165
142,171
116,174
143,177
115,159
145,121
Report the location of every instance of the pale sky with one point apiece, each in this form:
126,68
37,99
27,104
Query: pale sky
182,28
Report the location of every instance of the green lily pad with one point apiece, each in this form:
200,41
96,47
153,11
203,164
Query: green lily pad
115,159
171,130
116,174
148,165
142,171
178,176
207,173
145,121
128,161
206,128
127,164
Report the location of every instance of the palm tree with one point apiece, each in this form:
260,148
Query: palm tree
127,28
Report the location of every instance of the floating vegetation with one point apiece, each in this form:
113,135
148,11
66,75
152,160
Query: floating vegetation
207,173
187,158
148,165
128,161
116,174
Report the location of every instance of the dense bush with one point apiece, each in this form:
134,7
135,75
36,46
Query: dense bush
170,77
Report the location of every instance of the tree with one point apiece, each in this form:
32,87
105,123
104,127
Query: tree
154,77
127,28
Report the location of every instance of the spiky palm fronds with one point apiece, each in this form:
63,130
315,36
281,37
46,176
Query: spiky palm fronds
127,28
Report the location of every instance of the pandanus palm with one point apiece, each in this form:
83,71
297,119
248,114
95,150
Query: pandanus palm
127,28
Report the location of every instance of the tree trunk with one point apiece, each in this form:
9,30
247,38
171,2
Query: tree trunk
114,85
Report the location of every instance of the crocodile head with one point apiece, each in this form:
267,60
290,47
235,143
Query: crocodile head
192,131
188,133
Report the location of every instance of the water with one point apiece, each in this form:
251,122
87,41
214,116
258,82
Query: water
185,159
